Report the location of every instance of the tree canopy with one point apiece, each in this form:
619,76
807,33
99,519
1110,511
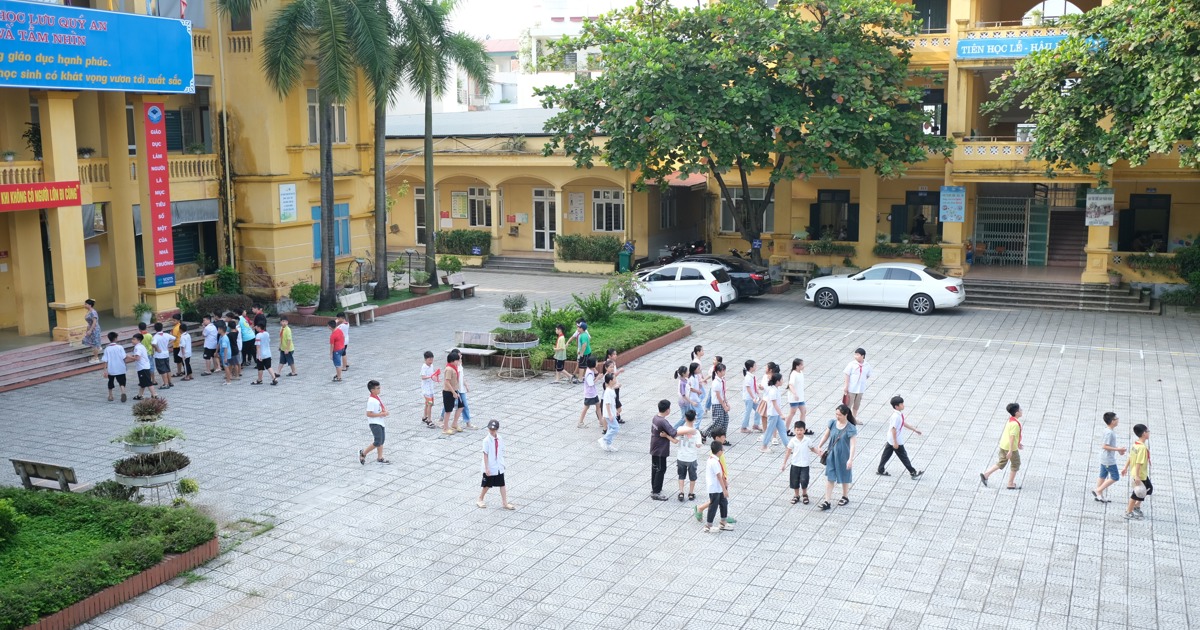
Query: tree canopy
800,89
1122,86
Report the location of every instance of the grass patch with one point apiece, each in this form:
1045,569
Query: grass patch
396,296
190,578
69,546
623,331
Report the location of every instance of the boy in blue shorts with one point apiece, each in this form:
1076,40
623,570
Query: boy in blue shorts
1108,457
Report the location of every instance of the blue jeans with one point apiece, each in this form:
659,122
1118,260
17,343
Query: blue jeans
751,412
707,400
774,423
466,412
613,429
683,409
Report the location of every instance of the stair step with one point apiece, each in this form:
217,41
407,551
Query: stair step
1145,309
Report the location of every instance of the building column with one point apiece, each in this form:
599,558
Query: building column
497,222
29,271
115,135
868,209
162,301
1099,251
64,225
559,213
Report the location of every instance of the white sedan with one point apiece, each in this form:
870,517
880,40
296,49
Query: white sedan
902,285
705,287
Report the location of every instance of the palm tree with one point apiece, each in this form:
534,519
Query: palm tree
383,79
343,36
426,55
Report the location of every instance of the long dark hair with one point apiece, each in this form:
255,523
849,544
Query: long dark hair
849,414
749,364
698,348
797,363
692,369
680,371
718,360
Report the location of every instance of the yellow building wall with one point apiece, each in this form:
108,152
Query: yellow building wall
8,308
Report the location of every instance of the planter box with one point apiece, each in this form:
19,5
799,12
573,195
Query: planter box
170,567
583,266
297,319
631,354
783,287
516,326
517,345
146,449
151,481
469,261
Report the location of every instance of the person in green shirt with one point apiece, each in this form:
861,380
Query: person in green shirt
1010,447
287,347
583,349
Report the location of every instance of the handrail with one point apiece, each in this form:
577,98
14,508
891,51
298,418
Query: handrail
1046,21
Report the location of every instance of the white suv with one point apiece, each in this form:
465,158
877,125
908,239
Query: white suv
703,286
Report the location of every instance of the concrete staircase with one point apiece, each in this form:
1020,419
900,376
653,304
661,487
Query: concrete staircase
516,264
1068,238
1059,296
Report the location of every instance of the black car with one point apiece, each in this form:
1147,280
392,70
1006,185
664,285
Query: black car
748,278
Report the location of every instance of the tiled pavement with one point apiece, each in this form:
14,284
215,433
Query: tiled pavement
405,546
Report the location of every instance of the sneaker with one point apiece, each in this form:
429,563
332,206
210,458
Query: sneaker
917,474
731,520
726,527
1096,497
774,441
709,529
764,449
658,497
1129,516
1138,511
613,449
603,446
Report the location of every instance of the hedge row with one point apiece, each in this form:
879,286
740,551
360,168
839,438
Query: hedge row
587,248
464,242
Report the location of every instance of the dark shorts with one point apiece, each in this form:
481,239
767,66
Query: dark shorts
449,402
559,364
493,481
175,353
686,470
209,353
582,360
377,434
617,402
162,365
119,379
345,349
262,364
1149,490
591,401
144,378
798,477
286,358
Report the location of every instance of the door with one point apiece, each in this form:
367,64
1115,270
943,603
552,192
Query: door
899,223
419,212
899,286
690,286
867,287
660,287
545,219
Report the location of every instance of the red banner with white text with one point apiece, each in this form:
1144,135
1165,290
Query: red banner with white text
160,196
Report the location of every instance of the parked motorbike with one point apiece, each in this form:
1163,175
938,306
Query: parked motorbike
737,254
678,251
697,247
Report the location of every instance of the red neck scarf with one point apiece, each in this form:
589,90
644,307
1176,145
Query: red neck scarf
382,409
1020,431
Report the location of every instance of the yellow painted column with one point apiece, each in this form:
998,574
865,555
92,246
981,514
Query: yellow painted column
121,247
1099,251
162,301
497,222
64,225
558,212
868,211
29,271
954,245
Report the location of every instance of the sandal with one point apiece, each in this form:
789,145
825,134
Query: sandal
681,496
256,382
795,500
362,457
275,381
824,507
509,506
137,397
383,461
844,501
337,379
428,423
691,497
804,499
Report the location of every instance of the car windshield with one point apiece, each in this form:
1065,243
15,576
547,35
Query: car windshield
933,274
721,275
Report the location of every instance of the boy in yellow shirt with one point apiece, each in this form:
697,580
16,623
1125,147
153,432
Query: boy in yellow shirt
1138,468
1010,447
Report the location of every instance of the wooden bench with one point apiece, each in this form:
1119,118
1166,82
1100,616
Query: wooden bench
462,339
356,304
800,272
40,475
459,287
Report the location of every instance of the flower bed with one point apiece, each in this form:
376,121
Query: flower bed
624,331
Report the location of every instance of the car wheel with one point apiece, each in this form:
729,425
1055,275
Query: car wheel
705,306
634,303
920,304
737,295
724,306
826,298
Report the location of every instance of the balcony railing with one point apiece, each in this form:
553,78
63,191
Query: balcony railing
201,42
21,172
185,168
995,30
241,43
93,171
991,148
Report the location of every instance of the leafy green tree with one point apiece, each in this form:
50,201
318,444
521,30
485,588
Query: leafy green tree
801,89
426,56
342,37
1120,87
383,77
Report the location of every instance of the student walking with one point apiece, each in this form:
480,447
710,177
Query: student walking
1010,447
451,405
774,415
583,349
376,412
795,392
799,454
162,354
114,359
431,377
720,410
718,490
685,401
610,358
176,347
337,343
225,355
661,433
209,331
91,336
262,355
842,436
148,344
590,396
697,357
235,343
1108,457
185,351
493,466
560,355
750,397
287,347
858,373
694,392
1138,468
245,337
344,326
142,364
895,442
609,406
462,395
687,455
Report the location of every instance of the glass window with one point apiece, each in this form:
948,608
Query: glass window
902,274
240,22
933,274
341,230
756,194
877,273
663,275
419,211
314,119
668,210
479,207
608,210
721,276
687,273
833,215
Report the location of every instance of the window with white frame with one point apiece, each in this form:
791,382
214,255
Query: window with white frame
668,208
756,194
479,207
608,210
314,120
419,211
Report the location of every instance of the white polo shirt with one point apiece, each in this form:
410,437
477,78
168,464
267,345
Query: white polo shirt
493,447
859,374
896,422
114,359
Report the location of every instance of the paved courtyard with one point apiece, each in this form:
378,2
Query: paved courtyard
348,546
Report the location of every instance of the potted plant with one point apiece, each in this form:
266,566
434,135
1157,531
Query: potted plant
196,148
450,265
85,153
153,469
33,139
395,272
10,155
144,312
931,256
418,282
516,318
149,438
345,278
515,340
305,294
1114,277
149,410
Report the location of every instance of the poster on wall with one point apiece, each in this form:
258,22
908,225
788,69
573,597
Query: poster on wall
575,205
954,204
458,205
159,183
1101,207
287,203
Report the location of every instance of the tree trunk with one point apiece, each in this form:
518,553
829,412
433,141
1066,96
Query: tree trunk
431,211
381,198
328,261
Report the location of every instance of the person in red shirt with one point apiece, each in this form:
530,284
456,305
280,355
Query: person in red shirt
337,343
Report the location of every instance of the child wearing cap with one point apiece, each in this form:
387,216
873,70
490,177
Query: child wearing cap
493,466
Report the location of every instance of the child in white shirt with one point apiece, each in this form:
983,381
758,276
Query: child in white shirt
799,454
431,378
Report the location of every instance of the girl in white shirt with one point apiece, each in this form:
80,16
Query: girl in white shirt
795,392
750,396
774,414
720,400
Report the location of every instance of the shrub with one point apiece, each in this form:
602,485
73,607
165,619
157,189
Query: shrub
417,276
151,408
1187,261
545,318
223,303
597,307
187,486
450,264
515,303
516,318
304,293
111,490
149,465
10,521
229,280
625,285
463,242
150,434
931,256
587,248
